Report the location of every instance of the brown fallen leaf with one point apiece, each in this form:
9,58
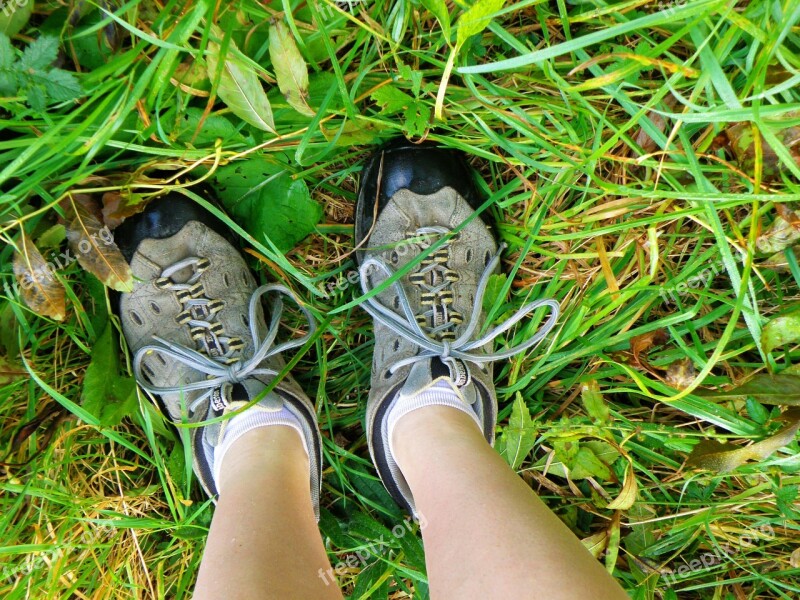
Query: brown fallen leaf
742,143
39,288
93,244
647,143
642,344
724,457
118,206
10,371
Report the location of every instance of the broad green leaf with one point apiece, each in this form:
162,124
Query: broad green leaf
519,436
756,411
291,71
52,237
593,402
391,100
724,457
7,54
476,19
768,389
40,53
59,85
438,9
493,289
107,394
566,456
586,464
15,15
781,331
194,127
239,86
264,198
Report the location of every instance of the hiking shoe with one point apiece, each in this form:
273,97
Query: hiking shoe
196,327
430,347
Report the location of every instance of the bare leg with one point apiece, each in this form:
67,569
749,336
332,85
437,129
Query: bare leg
486,534
264,542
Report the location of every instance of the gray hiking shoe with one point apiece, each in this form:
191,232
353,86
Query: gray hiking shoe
195,324
429,322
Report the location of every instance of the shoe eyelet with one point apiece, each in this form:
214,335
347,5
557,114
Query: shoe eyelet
245,321
394,257
396,345
136,317
396,302
226,280
469,255
387,374
161,359
155,308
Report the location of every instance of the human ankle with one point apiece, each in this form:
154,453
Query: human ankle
272,451
431,427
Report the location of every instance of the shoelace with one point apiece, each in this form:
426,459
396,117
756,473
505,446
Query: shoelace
219,374
406,326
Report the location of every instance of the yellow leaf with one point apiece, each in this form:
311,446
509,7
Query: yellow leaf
39,288
290,68
722,458
627,496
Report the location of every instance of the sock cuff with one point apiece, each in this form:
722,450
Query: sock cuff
439,394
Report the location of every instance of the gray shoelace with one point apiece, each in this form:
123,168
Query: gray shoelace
405,325
217,373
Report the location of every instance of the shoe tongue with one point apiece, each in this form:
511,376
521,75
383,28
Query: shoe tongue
424,372
249,389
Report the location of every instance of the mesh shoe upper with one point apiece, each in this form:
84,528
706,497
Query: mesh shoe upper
429,320
195,324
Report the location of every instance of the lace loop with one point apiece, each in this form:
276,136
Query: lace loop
217,373
406,325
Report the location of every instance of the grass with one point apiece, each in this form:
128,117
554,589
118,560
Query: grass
596,127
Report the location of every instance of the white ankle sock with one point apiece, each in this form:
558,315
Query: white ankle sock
252,418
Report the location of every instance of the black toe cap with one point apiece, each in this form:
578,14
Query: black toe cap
421,168
164,217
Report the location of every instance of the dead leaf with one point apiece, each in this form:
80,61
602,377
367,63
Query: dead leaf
39,288
596,544
118,206
724,457
742,142
10,371
93,244
680,374
647,143
783,232
642,344
794,559
630,489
